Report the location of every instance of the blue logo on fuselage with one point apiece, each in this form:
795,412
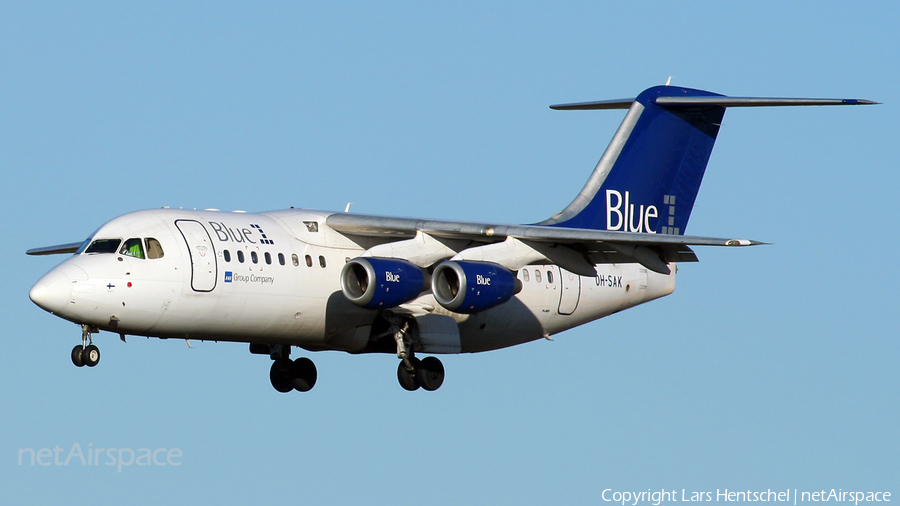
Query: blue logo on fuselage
228,276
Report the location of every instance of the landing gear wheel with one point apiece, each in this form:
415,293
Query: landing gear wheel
303,374
430,373
90,356
408,381
76,356
278,375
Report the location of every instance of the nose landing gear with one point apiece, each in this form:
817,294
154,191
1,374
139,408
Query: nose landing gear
86,354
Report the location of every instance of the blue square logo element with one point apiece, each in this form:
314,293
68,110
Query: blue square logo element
228,276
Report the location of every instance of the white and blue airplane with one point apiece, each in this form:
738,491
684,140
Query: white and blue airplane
369,284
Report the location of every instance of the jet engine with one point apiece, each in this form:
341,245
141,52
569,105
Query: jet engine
471,287
380,283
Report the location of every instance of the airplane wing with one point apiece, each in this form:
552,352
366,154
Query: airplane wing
55,250
575,249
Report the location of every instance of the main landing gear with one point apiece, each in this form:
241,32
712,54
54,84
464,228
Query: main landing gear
287,374
427,373
413,373
84,353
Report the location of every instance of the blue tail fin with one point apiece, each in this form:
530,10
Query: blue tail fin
649,176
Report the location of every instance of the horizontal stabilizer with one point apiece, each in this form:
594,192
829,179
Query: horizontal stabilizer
622,103
55,250
673,102
756,101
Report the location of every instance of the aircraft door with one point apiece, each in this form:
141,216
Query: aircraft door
204,270
570,291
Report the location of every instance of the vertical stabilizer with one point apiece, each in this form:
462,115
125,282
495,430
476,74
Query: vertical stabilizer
649,176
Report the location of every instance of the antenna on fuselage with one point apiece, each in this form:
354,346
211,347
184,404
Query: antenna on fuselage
347,209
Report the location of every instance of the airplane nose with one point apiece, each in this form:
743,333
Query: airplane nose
52,292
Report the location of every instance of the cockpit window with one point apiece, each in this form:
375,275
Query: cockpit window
103,246
154,250
132,248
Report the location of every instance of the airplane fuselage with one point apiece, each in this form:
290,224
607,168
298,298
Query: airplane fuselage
273,278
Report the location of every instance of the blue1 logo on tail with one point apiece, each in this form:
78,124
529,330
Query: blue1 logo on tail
625,214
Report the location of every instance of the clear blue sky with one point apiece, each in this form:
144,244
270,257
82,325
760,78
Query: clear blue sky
770,367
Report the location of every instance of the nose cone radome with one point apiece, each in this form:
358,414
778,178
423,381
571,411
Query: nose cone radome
52,292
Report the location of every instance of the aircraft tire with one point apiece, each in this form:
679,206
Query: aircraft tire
90,356
407,380
76,356
278,376
430,373
303,374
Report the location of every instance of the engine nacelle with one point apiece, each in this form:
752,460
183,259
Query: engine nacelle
471,287
380,283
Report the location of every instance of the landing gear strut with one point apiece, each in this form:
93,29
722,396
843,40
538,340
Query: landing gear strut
287,375
84,353
413,373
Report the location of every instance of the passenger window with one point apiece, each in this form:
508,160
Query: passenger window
132,248
308,261
549,277
227,255
254,257
103,246
154,249
537,275
268,258
281,258
240,255
295,260
321,261
525,274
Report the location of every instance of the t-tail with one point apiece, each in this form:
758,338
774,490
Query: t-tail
649,176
